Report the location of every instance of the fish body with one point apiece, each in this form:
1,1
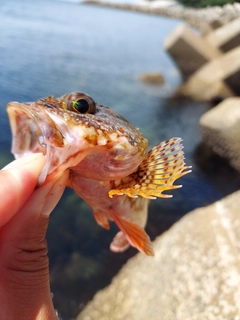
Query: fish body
109,166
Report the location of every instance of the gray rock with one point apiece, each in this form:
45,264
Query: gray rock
194,275
221,130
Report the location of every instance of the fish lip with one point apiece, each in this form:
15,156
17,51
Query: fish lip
26,131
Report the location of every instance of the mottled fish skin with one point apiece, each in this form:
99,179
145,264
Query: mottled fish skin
106,155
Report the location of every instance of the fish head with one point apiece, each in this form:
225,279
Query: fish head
75,132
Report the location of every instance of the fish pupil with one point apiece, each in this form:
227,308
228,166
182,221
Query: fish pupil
81,106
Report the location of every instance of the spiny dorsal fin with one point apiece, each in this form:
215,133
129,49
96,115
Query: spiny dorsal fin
162,165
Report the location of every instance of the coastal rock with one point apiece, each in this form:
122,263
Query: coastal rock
195,273
221,130
189,50
152,78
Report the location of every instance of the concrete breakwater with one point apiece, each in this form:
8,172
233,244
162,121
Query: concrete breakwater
199,56
210,67
203,19
209,63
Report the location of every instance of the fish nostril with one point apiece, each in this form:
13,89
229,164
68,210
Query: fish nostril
42,142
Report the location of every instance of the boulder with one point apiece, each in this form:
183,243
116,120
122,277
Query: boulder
152,78
219,78
221,130
189,50
195,273
225,37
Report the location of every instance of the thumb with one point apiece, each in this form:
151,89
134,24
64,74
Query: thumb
18,180
36,210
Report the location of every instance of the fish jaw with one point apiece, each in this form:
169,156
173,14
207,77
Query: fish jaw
34,130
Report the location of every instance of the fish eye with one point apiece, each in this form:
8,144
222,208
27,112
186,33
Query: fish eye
79,102
81,105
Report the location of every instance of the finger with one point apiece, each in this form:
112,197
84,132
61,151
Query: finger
31,221
45,198
18,180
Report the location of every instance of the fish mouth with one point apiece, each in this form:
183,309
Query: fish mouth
33,131
26,132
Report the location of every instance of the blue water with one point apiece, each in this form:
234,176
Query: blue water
55,47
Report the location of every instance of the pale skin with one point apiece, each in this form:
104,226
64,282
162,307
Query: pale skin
24,215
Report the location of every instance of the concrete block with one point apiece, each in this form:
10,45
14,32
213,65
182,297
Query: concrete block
225,37
219,78
221,130
211,25
215,24
189,50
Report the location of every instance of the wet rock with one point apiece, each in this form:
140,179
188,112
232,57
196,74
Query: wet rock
221,130
194,275
152,78
189,50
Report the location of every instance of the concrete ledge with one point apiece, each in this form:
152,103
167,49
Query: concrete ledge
221,130
189,50
194,275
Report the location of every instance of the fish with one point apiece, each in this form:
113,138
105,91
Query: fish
107,158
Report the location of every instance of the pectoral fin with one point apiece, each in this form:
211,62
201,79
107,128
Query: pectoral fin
119,243
162,165
135,235
101,220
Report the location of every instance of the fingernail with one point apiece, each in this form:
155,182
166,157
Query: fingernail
23,161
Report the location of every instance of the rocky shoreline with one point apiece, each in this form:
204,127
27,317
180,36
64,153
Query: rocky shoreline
198,18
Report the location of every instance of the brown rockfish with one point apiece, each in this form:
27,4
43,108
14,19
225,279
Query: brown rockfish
109,166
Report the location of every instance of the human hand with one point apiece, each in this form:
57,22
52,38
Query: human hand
24,216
